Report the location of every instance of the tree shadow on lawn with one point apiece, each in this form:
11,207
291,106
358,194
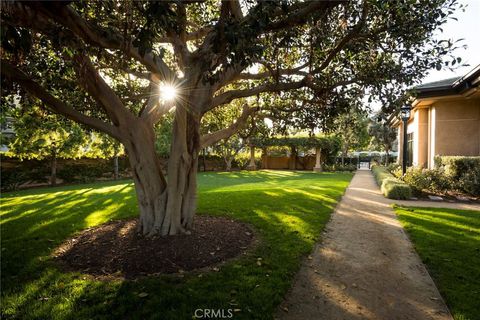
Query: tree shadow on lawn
448,242
449,229
211,180
32,230
288,222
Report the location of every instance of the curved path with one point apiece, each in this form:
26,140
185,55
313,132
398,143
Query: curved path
365,266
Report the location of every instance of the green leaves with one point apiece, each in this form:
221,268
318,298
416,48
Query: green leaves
39,135
323,142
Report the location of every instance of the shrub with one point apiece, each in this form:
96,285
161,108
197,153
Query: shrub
416,179
393,188
390,186
339,167
462,172
395,169
437,180
392,167
82,172
12,179
470,182
420,179
347,167
380,173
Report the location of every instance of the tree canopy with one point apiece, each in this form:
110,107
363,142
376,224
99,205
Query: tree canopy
383,135
103,64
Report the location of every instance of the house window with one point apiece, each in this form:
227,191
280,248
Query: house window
410,149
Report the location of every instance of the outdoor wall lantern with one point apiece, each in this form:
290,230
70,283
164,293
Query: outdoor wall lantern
405,115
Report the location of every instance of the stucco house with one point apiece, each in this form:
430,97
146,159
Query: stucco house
445,120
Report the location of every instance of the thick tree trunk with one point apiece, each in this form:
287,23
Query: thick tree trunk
115,167
53,170
150,184
228,163
182,172
292,161
165,209
344,154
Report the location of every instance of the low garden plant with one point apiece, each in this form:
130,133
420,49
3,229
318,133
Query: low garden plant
433,180
451,174
463,172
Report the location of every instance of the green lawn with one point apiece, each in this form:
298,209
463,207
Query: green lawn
288,209
448,241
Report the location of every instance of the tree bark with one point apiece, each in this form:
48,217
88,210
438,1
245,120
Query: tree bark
165,208
252,165
115,167
182,172
150,184
318,157
228,163
292,162
53,170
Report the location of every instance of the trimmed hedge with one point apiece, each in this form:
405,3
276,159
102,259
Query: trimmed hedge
390,186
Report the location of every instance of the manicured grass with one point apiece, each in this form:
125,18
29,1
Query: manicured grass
288,210
448,241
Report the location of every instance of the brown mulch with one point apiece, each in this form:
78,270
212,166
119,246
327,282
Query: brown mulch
116,249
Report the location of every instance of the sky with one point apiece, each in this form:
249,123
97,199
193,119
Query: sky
468,28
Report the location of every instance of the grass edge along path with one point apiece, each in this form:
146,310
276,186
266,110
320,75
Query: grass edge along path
288,209
448,242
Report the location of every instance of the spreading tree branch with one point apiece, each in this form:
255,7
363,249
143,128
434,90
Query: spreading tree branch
214,137
276,73
100,37
299,14
231,95
54,104
352,34
101,91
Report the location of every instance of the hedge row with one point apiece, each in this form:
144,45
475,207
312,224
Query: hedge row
390,186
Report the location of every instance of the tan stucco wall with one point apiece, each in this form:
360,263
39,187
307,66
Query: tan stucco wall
457,127
420,153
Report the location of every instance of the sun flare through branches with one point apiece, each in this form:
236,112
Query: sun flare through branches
167,92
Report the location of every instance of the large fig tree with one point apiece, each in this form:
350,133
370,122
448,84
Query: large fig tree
102,64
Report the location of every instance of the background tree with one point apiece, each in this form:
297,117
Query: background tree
103,146
383,135
352,129
228,148
163,135
40,135
101,63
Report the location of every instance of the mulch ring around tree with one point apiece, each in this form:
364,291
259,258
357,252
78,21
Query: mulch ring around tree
116,250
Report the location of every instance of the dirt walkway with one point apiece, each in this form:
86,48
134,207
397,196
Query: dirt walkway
365,267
